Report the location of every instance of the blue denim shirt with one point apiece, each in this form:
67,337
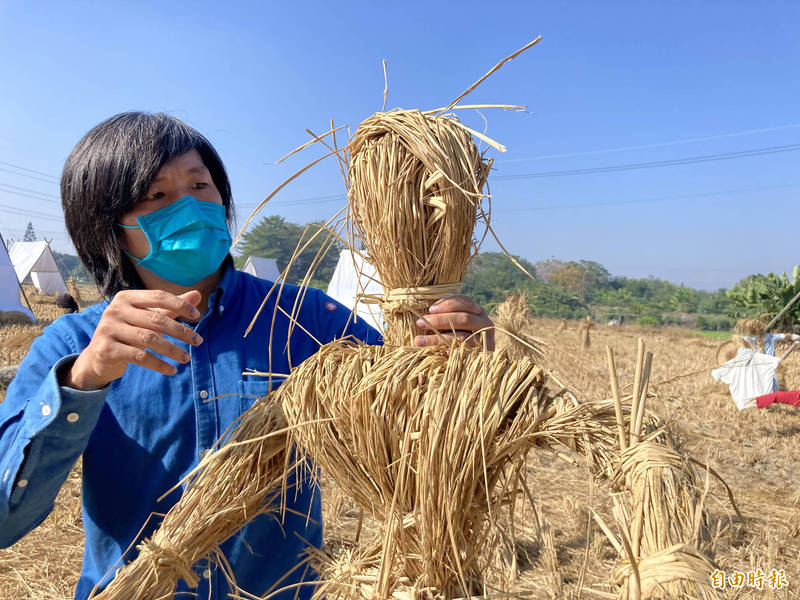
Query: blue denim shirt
142,433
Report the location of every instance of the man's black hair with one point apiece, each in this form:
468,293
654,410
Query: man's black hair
109,170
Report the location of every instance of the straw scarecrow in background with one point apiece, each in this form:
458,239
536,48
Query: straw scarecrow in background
584,327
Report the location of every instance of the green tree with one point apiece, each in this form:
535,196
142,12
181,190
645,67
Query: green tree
30,234
760,294
274,237
683,299
491,277
584,279
71,266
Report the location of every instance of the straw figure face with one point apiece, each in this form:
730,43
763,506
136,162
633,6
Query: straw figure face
416,186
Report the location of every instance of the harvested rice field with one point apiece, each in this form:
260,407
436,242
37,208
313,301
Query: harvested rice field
558,550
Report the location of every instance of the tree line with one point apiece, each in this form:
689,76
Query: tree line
555,288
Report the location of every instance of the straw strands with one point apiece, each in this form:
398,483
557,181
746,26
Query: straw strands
229,488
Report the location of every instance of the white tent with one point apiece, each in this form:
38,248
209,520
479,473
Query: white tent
9,285
354,276
36,259
263,268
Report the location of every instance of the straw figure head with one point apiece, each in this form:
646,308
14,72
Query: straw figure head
756,326
416,186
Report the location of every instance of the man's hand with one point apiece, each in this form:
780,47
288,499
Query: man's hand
134,322
456,316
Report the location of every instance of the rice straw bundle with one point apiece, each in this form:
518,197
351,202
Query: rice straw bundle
661,513
229,488
512,319
72,289
584,327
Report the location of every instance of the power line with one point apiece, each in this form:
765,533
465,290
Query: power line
15,210
20,168
655,145
36,177
15,189
645,200
654,164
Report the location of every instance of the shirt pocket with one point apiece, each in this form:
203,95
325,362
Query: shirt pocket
251,390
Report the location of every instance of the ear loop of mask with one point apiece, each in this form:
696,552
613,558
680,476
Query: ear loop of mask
138,260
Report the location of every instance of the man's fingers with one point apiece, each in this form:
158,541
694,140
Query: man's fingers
454,320
161,323
145,359
170,304
147,339
453,304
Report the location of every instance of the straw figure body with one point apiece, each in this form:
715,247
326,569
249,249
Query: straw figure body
512,319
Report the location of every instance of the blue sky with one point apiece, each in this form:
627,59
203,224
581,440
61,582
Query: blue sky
611,84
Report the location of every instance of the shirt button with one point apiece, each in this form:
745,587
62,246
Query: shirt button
46,410
73,417
207,573
221,309
22,483
203,394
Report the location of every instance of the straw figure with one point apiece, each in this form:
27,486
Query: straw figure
512,319
428,440
412,435
72,288
584,327
562,326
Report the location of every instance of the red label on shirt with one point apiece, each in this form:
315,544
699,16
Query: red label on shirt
330,305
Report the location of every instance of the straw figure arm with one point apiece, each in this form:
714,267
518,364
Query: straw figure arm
455,317
44,428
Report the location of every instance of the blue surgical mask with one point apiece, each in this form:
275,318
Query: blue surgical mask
189,239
